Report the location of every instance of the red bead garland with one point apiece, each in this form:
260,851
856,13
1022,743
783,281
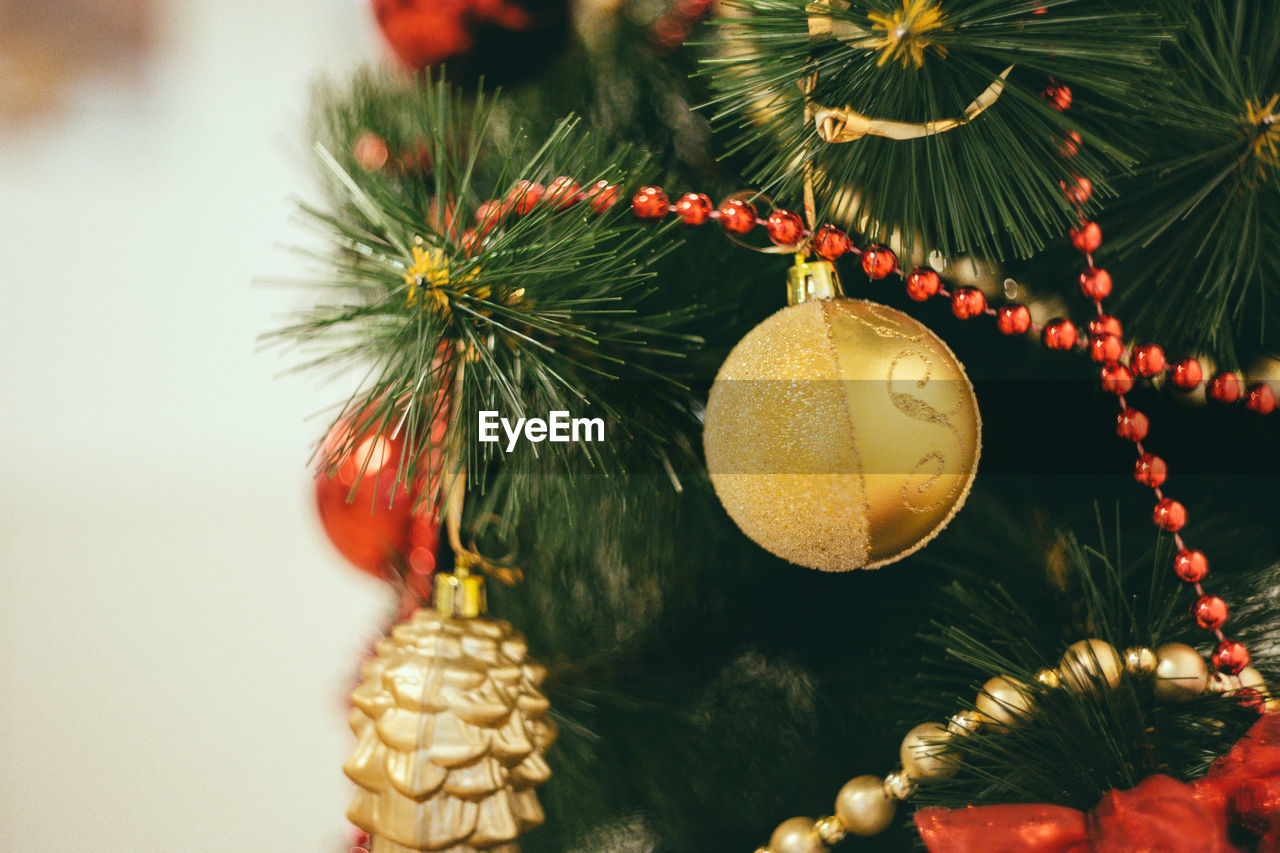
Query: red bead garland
968,302
1059,334
1013,319
923,283
650,203
1224,387
830,242
785,228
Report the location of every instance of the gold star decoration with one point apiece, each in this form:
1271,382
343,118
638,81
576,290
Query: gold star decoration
904,32
429,281
1264,123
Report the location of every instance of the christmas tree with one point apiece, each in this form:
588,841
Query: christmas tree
925,538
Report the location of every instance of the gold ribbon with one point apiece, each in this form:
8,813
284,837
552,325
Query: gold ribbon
845,124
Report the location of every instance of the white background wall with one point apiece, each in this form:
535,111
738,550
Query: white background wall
175,634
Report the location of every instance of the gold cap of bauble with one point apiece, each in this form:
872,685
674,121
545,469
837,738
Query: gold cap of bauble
841,434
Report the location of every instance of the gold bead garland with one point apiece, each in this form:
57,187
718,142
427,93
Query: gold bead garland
866,805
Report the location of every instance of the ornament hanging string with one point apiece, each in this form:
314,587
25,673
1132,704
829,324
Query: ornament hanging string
453,488
837,125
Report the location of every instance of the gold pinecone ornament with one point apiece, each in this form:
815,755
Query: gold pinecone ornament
451,729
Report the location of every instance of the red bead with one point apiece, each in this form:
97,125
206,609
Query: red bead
1087,238
1132,425
1058,96
1225,387
1095,283
737,217
488,215
1169,515
525,196
602,196
1116,379
1262,399
1059,334
1230,657
471,242
1070,144
562,192
1105,324
1209,611
1148,360
650,203
784,228
1013,319
878,261
1190,565
830,242
1105,349
363,508
693,208
1187,374
923,283
1150,470
370,151
1248,697
968,302
1078,190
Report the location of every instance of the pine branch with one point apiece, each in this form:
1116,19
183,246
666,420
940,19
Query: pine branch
990,186
1195,232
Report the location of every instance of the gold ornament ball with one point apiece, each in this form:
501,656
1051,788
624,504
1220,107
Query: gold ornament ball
1088,663
841,434
1140,661
451,729
1003,702
924,753
863,808
1181,673
797,835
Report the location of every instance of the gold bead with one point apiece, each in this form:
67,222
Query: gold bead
1140,661
863,807
1049,678
1252,679
763,850
899,786
841,434
964,723
829,830
1003,702
796,835
1181,673
925,753
1089,663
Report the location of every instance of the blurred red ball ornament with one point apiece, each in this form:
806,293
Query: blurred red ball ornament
602,196
367,515
525,196
1078,190
423,33
1057,96
1210,611
370,152
1116,379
